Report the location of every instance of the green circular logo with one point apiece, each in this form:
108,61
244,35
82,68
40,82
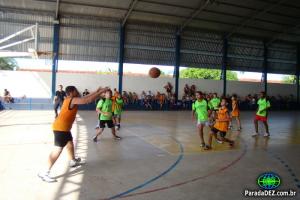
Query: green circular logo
268,181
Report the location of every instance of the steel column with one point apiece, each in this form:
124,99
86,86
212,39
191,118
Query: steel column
265,67
177,63
121,56
298,74
55,57
224,65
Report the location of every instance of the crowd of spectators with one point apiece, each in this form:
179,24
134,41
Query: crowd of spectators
278,102
167,100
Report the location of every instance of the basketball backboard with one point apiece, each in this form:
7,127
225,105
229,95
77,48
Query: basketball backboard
32,51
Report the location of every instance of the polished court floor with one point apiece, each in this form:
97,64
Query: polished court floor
159,157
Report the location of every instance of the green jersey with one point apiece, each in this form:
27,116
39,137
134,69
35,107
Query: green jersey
193,108
200,107
263,105
210,106
105,105
214,103
118,106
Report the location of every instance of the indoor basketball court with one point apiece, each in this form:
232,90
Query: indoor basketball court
155,151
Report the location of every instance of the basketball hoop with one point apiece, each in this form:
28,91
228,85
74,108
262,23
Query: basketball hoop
32,51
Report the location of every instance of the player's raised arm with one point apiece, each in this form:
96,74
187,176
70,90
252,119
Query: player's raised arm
89,98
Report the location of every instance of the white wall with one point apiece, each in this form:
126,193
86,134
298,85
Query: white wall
244,88
81,81
38,84
138,84
201,85
282,89
20,83
87,81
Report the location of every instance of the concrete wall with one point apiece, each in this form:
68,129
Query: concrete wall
138,84
81,81
202,85
244,88
282,89
19,83
38,84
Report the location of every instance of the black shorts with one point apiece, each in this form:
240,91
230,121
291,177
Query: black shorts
62,138
110,123
222,133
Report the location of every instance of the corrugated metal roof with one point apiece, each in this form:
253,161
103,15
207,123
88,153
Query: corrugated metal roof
268,16
90,30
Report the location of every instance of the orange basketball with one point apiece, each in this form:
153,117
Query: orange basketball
154,72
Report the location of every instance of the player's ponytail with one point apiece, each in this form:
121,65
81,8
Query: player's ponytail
70,89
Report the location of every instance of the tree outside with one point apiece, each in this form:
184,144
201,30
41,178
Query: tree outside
7,64
213,74
290,79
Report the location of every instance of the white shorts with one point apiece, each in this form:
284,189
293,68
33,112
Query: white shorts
205,123
117,115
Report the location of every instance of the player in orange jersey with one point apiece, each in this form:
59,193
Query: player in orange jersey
62,127
235,113
221,126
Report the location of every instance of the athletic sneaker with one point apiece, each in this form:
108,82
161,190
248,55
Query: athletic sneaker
219,141
75,162
95,138
267,135
202,144
118,137
254,134
45,177
207,147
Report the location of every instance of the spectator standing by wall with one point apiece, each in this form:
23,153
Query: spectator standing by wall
186,90
193,90
143,97
135,98
86,92
7,97
169,89
60,95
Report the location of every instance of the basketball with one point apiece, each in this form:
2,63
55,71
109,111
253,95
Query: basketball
154,72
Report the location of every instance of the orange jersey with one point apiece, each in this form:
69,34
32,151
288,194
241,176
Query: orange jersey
113,98
66,117
161,98
157,97
116,94
222,115
235,109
